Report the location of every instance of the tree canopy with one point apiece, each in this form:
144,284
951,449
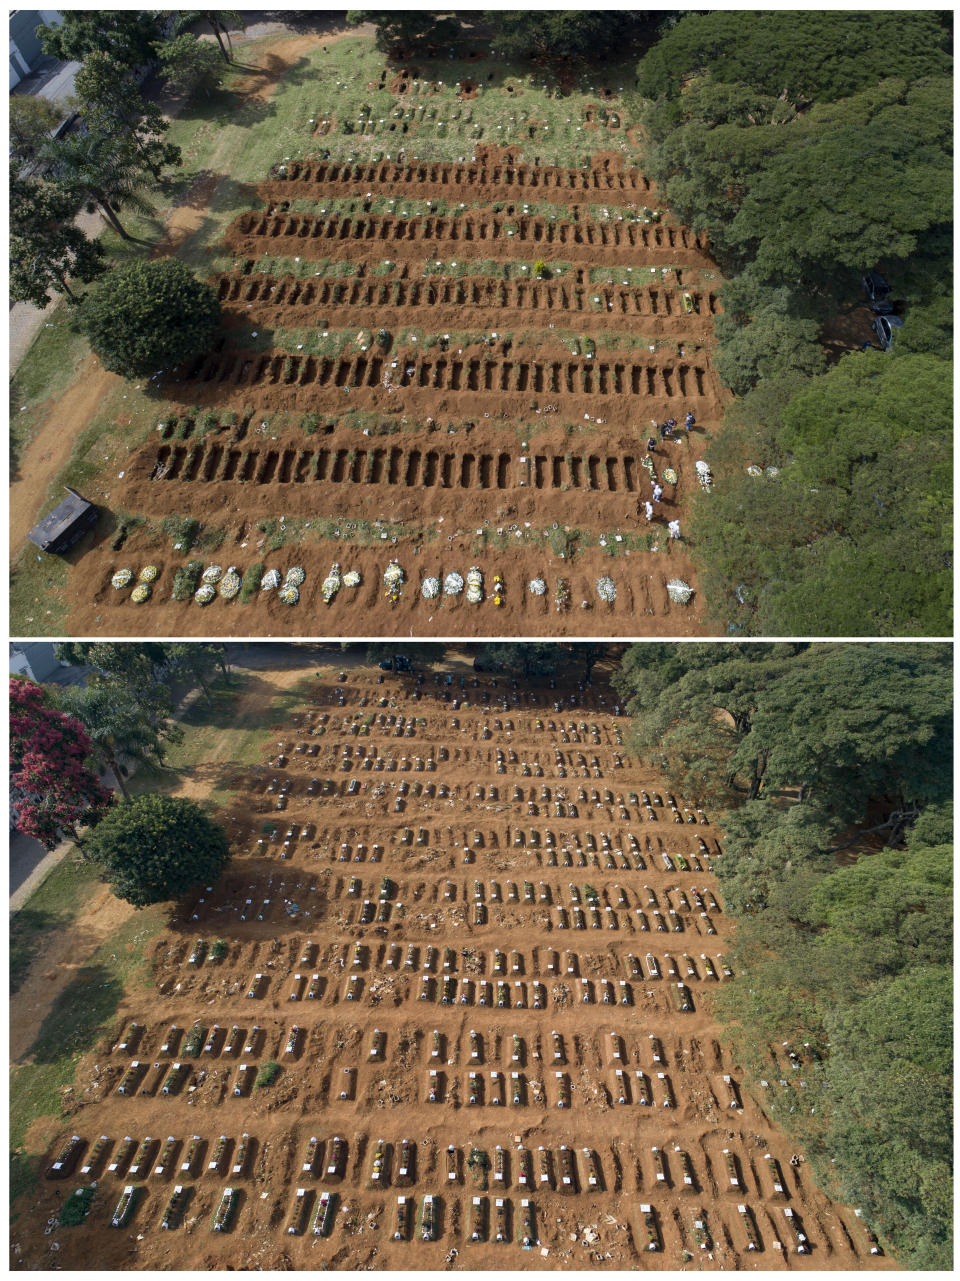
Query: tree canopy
120,724
402,30
47,251
811,156
567,35
856,518
807,54
110,103
838,723
149,315
188,64
55,792
32,120
129,36
808,752
220,22
155,848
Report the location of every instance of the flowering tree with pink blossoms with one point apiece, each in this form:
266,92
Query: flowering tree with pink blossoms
53,790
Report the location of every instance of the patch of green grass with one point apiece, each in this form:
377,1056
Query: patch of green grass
513,106
53,905
268,1073
37,584
78,1017
77,1207
48,368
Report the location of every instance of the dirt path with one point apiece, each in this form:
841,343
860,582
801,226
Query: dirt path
50,449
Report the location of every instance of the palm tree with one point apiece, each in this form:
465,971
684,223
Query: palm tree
219,20
100,168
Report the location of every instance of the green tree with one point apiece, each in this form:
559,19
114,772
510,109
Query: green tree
96,168
805,55
129,36
155,848
32,120
522,659
567,35
849,964
140,669
119,724
189,660
856,518
404,30
220,22
773,342
46,249
110,103
149,315
189,65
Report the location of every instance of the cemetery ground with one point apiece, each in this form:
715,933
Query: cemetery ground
452,307
449,1006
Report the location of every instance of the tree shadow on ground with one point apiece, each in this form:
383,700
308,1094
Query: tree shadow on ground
75,1019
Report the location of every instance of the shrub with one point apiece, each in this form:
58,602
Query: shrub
251,582
268,1073
187,579
309,423
183,530
76,1208
148,315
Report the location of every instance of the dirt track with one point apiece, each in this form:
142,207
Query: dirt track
549,945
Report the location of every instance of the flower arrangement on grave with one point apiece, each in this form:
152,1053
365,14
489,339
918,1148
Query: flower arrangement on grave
561,597
429,588
679,591
270,580
453,584
670,475
148,574
704,475
393,578
606,589
498,590
230,583
537,587
212,574
474,585
295,576
331,584
352,578
140,593
205,593
121,578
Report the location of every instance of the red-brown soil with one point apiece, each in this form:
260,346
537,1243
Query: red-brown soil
472,442
489,883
